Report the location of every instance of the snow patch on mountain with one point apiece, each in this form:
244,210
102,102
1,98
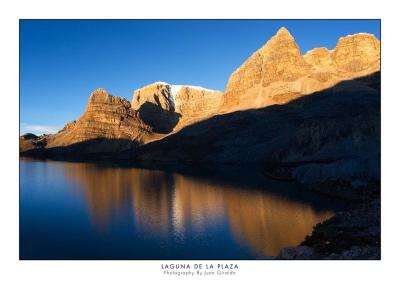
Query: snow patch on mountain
174,89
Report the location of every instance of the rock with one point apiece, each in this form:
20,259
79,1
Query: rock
279,60
361,253
31,142
156,107
356,53
351,234
346,169
196,103
27,142
319,57
28,136
159,93
69,125
296,253
277,73
328,137
106,118
166,107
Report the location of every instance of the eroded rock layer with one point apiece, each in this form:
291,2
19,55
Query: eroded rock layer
107,119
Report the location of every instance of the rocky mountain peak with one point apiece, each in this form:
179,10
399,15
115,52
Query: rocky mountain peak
157,94
108,121
101,96
320,56
283,31
278,72
282,35
279,60
357,52
282,59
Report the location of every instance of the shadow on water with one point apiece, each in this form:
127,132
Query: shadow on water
223,212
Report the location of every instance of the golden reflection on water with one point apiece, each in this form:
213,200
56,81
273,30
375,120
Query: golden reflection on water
170,203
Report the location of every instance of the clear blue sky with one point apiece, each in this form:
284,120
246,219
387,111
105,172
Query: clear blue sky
62,62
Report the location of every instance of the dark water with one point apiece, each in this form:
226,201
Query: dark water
97,211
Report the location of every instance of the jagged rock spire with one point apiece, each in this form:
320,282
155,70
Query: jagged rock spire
279,59
283,31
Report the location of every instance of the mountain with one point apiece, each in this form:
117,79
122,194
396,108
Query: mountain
278,73
323,138
167,107
106,118
111,124
304,117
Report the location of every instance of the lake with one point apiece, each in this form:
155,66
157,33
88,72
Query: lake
106,211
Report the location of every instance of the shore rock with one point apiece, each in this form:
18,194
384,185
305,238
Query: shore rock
296,253
350,234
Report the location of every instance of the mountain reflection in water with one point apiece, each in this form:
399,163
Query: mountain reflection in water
220,213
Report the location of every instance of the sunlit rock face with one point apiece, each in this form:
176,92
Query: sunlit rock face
279,59
319,57
357,53
106,117
278,73
166,107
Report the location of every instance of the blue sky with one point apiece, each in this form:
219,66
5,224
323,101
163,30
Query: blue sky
63,61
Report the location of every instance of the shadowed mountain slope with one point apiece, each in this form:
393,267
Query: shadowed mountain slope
326,136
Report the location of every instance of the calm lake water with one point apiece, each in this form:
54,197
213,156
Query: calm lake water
102,211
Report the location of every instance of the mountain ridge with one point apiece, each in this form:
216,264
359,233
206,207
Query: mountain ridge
276,73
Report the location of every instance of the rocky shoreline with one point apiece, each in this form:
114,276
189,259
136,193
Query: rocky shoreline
353,234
